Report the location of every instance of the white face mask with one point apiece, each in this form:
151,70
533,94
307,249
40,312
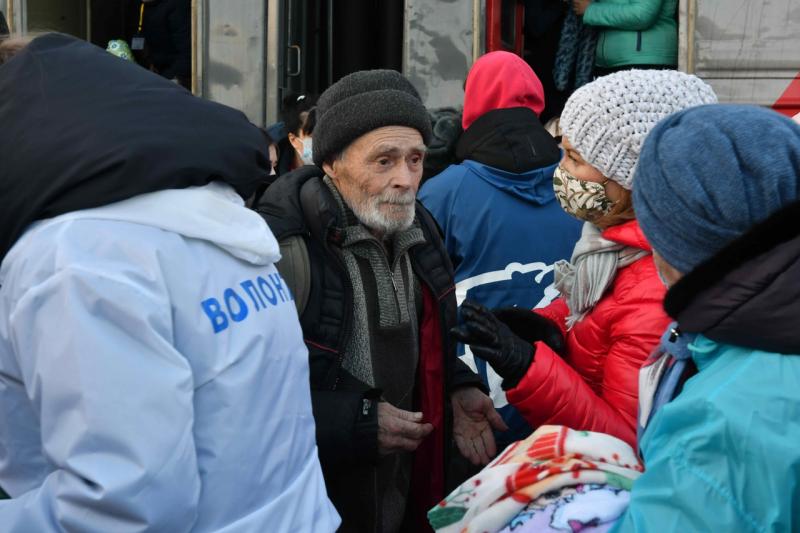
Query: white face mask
308,155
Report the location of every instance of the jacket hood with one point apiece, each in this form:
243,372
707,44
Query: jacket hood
83,129
214,213
628,234
500,80
747,295
512,140
535,186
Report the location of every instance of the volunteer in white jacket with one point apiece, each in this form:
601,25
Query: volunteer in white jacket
153,375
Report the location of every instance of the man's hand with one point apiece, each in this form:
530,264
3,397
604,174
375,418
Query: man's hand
474,416
580,6
399,430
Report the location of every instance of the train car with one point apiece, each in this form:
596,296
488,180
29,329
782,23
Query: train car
749,51
249,53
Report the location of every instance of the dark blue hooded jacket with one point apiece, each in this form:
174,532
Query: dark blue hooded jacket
503,227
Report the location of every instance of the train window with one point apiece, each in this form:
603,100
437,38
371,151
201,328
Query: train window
508,24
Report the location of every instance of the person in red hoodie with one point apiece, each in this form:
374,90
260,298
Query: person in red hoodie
504,175
576,362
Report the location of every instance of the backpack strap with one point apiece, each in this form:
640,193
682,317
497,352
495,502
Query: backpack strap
295,268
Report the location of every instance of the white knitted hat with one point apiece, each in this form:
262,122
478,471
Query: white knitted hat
607,120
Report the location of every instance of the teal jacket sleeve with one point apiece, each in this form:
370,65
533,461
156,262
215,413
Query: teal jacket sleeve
678,493
115,405
690,482
634,15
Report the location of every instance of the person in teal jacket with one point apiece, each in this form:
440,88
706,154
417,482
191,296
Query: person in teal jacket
633,33
720,405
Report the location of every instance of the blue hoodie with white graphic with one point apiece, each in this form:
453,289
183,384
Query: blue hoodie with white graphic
502,225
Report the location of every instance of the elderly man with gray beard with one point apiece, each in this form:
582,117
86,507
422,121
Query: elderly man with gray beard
374,290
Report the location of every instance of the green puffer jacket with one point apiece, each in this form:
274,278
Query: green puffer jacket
634,32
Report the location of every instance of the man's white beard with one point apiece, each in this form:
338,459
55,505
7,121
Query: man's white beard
401,205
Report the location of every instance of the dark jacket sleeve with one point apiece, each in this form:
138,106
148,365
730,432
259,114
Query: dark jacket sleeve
347,427
462,376
458,373
346,418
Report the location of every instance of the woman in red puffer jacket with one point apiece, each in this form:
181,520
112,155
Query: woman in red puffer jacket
576,363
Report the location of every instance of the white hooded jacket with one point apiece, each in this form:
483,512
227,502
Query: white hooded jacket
153,375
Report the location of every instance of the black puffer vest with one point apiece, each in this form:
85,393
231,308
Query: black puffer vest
300,204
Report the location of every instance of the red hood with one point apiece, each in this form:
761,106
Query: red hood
629,234
500,80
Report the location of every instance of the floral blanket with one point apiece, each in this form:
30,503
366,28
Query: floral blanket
557,479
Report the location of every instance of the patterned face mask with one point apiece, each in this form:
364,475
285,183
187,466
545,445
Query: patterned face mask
585,200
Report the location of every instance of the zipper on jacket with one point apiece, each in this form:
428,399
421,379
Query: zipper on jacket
639,41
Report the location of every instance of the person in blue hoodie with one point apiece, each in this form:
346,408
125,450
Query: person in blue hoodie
153,374
502,225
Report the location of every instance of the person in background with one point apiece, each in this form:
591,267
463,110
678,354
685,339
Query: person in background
374,290
542,29
151,361
503,228
576,362
299,120
4,31
718,196
273,135
641,34
166,26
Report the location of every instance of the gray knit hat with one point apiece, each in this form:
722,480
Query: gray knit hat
607,120
365,101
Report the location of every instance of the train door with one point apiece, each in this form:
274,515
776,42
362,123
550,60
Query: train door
66,16
504,25
97,21
4,29
306,50
323,40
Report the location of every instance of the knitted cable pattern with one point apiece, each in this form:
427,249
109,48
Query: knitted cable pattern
607,120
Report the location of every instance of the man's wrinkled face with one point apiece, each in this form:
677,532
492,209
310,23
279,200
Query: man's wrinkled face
378,176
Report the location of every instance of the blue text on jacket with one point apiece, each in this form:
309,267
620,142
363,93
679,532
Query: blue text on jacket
232,307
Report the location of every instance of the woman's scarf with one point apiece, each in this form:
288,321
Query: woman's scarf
575,57
595,261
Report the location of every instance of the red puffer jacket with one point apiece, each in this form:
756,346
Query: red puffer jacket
594,387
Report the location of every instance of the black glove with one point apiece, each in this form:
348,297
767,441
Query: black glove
532,327
494,342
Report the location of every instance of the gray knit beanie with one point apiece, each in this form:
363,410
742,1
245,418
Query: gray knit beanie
365,101
607,120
